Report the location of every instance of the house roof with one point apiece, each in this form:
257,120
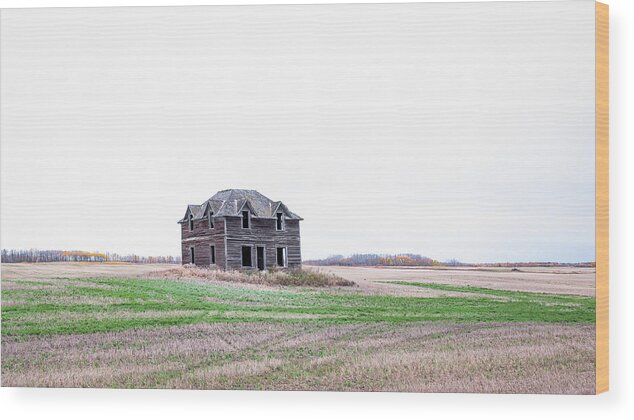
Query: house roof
228,203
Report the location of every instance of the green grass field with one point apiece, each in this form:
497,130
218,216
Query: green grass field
72,306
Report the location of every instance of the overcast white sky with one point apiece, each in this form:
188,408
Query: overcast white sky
459,130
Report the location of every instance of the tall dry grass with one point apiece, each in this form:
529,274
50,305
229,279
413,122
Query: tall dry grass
295,277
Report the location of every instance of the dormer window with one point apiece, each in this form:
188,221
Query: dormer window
191,222
279,221
246,222
210,221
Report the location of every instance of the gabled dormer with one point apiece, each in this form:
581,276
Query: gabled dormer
208,215
281,213
189,216
245,211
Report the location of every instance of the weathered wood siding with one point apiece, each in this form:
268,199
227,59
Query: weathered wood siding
262,233
229,231
201,238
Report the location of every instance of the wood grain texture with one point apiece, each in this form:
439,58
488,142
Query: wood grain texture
262,233
602,196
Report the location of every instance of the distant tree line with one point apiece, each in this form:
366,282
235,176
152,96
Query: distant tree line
37,255
376,260
416,260
589,264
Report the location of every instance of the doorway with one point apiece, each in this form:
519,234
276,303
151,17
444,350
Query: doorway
260,257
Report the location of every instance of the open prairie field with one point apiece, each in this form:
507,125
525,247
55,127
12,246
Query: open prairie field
141,326
566,280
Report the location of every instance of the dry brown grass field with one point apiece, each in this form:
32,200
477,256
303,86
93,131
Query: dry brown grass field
416,330
578,281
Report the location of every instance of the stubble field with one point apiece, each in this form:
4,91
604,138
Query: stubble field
102,325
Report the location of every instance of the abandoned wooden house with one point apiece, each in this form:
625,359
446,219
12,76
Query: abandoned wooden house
241,229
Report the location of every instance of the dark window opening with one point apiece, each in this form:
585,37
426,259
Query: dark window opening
212,251
246,256
210,221
191,222
281,257
191,253
245,219
280,221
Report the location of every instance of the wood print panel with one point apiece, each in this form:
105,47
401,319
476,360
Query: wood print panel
602,196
